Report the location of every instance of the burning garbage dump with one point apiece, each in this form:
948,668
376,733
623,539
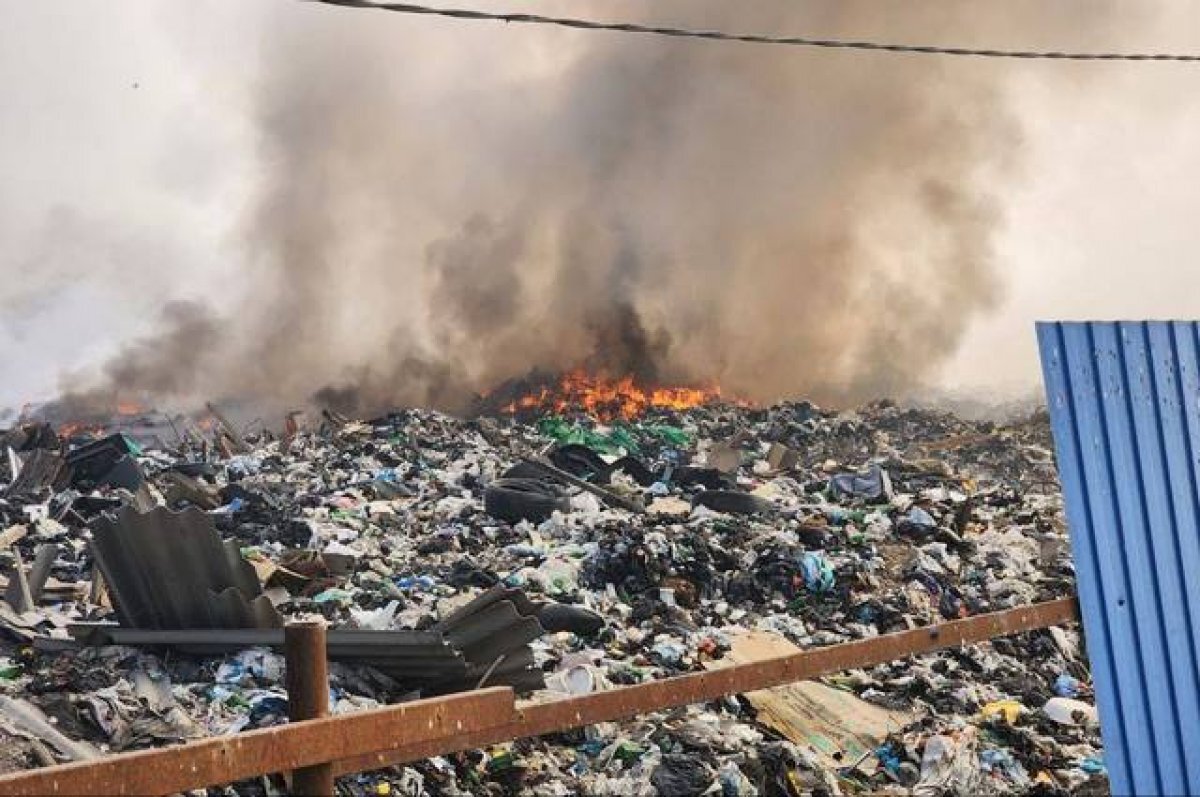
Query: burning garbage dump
581,533
598,395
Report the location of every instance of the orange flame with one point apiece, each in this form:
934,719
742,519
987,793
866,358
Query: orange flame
607,398
128,407
100,423
80,429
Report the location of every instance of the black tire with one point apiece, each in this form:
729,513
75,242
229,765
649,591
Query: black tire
709,478
733,502
579,461
529,471
634,469
515,500
556,617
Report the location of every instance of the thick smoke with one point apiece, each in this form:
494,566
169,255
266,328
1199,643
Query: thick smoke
436,216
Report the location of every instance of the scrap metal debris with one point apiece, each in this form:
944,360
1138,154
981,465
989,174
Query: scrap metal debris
562,555
170,570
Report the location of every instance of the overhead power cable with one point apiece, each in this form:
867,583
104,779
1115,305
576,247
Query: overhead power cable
750,38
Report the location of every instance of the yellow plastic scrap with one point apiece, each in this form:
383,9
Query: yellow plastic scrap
383,789
1009,709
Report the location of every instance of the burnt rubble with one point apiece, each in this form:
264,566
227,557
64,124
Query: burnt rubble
560,555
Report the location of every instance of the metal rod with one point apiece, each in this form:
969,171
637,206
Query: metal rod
304,651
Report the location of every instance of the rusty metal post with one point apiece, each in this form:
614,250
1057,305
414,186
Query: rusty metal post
308,696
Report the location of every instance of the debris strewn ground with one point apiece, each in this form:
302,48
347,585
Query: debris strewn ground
652,540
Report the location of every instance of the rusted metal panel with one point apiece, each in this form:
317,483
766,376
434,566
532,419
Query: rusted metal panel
541,718
287,747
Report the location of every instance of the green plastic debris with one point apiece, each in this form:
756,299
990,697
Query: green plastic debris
638,674
553,426
818,573
565,433
501,760
670,434
628,751
333,595
231,699
622,437
839,516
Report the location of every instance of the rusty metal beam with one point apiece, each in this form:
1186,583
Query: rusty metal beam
286,747
542,718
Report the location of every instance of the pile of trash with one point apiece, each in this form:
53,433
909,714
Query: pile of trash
624,552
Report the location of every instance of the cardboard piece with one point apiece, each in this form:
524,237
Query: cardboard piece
838,726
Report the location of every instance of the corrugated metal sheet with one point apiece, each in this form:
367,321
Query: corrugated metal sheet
490,636
40,470
169,570
175,583
1124,402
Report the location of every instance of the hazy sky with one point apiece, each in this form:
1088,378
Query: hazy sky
128,137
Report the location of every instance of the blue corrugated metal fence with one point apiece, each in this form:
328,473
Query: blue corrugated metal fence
1124,402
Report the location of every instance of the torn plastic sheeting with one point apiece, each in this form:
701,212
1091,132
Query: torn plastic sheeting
27,717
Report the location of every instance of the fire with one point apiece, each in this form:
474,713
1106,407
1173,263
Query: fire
80,429
100,422
127,407
608,398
